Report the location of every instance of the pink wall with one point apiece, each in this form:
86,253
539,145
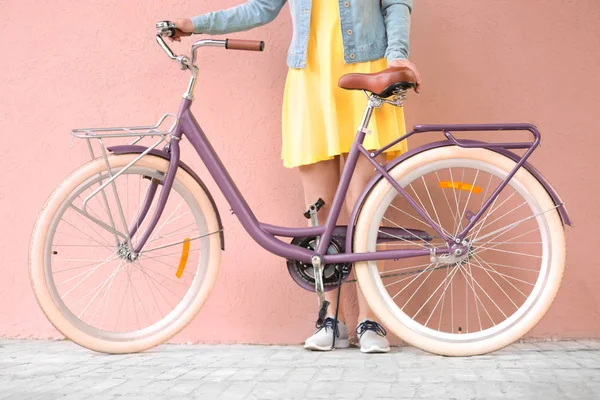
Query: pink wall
65,64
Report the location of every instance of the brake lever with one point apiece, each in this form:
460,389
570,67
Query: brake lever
166,28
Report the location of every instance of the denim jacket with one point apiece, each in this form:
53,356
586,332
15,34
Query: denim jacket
371,29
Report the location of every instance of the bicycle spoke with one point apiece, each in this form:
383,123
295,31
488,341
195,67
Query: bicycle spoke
155,285
468,197
484,292
500,287
98,288
409,215
480,260
433,205
139,267
121,306
467,304
504,251
105,306
483,245
165,264
146,268
172,255
92,211
92,270
447,201
107,246
133,299
459,222
510,227
403,239
431,296
140,303
405,268
110,278
462,178
425,209
166,222
442,298
174,233
474,297
452,304
503,215
422,283
478,299
513,267
153,296
493,209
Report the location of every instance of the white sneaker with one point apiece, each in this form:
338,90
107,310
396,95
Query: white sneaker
372,337
323,337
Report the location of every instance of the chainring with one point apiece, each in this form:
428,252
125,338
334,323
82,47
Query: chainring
304,274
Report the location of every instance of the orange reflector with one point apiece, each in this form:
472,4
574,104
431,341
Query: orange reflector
459,186
184,257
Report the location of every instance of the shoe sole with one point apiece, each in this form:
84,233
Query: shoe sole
339,344
375,349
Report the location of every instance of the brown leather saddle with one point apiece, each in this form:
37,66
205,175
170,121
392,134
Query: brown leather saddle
382,84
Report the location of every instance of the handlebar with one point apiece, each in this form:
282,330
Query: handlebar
166,28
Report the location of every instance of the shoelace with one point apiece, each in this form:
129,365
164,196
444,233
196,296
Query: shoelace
370,326
328,323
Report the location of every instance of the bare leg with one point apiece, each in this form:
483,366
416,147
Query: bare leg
320,180
362,175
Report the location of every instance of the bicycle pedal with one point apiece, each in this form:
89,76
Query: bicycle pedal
322,314
314,208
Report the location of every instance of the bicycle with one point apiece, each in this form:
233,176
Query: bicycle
137,222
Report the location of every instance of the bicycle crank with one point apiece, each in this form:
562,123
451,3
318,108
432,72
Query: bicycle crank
317,262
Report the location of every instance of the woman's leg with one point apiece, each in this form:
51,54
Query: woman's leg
320,180
362,175
370,334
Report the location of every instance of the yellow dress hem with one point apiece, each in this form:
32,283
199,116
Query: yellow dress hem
319,119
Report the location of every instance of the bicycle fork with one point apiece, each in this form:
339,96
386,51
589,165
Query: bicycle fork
167,184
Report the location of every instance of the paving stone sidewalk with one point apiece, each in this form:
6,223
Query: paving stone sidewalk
50,370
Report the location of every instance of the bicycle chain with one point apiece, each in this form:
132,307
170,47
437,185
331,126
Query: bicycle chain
405,273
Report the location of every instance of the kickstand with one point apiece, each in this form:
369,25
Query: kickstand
337,308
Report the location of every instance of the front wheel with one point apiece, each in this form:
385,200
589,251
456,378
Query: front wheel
489,297
83,275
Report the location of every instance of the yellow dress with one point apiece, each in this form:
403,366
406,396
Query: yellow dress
320,119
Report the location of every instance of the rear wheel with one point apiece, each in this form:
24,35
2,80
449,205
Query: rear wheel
82,277
489,297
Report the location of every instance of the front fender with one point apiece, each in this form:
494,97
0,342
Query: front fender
562,210
131,149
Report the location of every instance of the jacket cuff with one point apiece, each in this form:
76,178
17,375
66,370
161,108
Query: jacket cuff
201,23
396,55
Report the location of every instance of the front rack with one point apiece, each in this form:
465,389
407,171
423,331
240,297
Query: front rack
163,129
123,132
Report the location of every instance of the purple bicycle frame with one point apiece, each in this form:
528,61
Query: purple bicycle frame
265,234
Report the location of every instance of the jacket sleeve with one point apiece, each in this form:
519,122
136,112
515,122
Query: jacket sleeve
246,16
397,23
